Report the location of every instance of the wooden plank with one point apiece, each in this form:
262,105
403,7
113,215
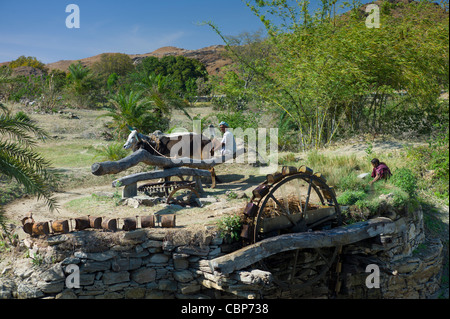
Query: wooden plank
340,236
177,171
283,222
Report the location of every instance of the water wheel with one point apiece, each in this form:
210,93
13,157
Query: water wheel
183,196
288,202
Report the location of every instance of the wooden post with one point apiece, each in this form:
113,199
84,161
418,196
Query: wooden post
129,191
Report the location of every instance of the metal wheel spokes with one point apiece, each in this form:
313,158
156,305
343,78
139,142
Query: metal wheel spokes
183,196
298,202
295,204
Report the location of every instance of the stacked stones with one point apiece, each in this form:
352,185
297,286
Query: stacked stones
410,264
137,264
173,263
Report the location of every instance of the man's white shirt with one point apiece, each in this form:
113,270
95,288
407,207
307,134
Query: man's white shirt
230,144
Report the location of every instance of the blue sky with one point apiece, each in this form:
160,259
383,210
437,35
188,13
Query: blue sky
37,28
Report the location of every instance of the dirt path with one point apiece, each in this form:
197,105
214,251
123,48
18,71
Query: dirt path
104,201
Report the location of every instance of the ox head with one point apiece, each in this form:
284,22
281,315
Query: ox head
132,141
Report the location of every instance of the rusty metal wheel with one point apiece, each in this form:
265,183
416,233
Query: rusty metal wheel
183,196
297,203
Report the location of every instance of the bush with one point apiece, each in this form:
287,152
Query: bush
230,227
112,152
28,61
110,63
400,198
351,197
404,179
351,182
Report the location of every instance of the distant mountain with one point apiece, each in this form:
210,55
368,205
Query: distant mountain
211,57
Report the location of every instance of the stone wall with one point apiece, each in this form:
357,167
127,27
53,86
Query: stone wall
161,263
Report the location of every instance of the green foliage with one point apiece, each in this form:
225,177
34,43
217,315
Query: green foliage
405,179
118,63
77,72
333,75
431,163
134,110
351,182
230,227
159,91
181,69
28,61
112,152
239,119
439,157
20,161
400,198
84,87
351,197
370,204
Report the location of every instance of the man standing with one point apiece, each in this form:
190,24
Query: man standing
228,141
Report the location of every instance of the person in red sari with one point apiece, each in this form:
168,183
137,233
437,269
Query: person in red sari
380,171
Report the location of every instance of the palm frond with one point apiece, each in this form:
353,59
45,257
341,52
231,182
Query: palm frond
20,129
35,183
18,160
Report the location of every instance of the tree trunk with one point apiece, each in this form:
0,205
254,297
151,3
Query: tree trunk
142,156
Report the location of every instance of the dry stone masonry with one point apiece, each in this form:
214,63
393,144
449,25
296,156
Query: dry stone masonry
174,263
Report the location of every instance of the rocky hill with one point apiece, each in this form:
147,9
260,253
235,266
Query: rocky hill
211,57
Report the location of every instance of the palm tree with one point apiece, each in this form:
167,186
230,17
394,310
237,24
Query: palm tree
78,72
79,88
18,159
158,90
130,109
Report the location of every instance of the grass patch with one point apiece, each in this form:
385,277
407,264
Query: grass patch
73,154
93,204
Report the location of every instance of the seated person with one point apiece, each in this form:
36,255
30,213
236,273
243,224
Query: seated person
380,171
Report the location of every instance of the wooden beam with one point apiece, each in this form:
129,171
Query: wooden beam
142,156
340,236
177,171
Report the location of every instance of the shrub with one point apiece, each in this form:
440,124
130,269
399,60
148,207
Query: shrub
351,182
351,197
404,179
230,227
371,205
28,61
112,152
400,198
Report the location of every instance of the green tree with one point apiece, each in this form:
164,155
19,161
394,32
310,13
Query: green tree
327,72
159,91
118,63
28,61
84,87
20,161
180,69
133,109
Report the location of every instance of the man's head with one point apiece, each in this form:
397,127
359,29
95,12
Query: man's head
223,126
